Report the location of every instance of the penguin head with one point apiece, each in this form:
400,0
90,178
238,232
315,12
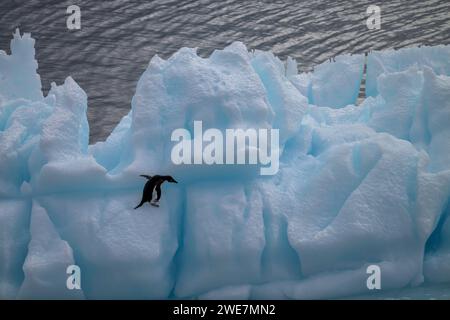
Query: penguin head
170,179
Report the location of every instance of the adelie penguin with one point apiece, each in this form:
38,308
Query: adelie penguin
153,184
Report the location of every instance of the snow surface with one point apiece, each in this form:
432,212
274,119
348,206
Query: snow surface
357,185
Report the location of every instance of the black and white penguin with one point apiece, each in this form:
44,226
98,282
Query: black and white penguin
153,184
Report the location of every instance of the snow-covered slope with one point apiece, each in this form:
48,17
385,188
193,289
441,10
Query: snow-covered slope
357,185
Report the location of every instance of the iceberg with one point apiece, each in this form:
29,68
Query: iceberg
357,185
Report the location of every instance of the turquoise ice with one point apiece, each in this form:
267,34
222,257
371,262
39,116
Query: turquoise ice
357,185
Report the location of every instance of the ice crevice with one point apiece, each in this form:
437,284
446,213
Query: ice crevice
357,185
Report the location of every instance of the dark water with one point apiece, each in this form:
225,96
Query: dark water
118,38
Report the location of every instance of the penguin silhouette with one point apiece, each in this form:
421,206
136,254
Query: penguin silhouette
153,184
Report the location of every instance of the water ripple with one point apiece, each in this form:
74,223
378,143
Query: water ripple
118,37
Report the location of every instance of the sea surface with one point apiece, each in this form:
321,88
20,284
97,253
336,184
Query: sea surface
118,38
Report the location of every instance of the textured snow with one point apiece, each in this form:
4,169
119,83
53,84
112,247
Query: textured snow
357,185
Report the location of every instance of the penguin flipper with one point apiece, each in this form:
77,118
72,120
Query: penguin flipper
144,200
139,205
145,176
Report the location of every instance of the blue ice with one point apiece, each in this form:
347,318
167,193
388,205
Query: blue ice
357,185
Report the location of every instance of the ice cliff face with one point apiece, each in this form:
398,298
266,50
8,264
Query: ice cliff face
357,185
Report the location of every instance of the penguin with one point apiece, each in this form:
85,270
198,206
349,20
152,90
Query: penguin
153,184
